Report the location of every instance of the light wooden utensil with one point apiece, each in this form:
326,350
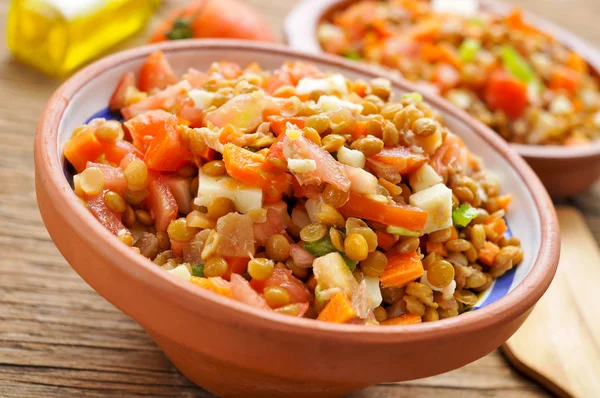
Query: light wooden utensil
559,344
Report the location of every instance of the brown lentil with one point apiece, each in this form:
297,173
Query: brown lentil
380,314
298,272
407,245
466,297
374,264
277,247
143,217
128,217
458,245
179,231
337,238
163,240
369,146
320,123
115,202
440,274
334,196
219,207
421,292
414,306
312,135
333,142
424,127
440,236
134,198
404,119
431,314
214,168
313,232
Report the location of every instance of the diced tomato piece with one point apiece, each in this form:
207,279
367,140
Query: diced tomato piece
84,147
279,123
237,265
114,153
284,278
404,216
167,151
229,70
114,179
272,225
506,93
245,112
109,219
450,154
193,115
117,101
165,100
161,202
244,293
146,126
156,73
291,73
328,169
196,78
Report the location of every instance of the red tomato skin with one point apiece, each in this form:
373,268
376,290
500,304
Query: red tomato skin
156,73
114,179
114,153
117,101
148,124
506,93
109,219
161,202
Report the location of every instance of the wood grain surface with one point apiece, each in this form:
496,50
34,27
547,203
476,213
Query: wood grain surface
60,338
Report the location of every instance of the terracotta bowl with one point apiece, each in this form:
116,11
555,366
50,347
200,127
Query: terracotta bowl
233,350
565,171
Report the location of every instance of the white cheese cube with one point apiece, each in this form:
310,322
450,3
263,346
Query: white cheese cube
351,157
202,98
437,202
329,103
424,178
301,165
334,84
244,197
181,272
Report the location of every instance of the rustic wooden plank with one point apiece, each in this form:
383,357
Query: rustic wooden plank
59,338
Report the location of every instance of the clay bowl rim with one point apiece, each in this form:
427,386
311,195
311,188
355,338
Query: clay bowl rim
311,12
51,175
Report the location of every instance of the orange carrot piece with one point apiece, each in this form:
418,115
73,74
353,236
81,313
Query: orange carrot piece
404,216
488,253
360,129
338,310
405,319
385,240
279,123
401,269
564,78
436,247
498,225
503,201
577,63
83,148
216,285
425,31
250,168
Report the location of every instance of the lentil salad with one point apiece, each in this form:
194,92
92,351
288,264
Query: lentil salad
296,191
520,81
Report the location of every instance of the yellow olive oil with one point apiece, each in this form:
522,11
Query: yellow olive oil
59,36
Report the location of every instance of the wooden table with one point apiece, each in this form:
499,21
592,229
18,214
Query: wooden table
60,338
